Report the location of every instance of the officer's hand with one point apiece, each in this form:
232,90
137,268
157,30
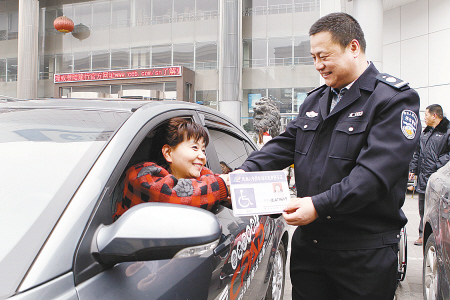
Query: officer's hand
300,211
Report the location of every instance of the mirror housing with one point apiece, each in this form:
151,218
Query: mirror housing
154,231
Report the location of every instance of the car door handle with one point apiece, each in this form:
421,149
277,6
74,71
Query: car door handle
224,246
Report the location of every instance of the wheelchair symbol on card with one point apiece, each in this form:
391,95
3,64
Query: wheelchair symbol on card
245,198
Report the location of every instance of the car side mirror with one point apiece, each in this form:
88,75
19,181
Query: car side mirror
154,231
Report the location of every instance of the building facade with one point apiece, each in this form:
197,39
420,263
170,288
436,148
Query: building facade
229,53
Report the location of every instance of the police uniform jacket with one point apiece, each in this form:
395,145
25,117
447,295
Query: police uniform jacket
353,162
432,154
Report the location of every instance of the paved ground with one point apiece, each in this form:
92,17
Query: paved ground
411,287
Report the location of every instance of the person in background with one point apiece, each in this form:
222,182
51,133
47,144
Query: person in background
263,136
177,173
225,168
351,145
432,153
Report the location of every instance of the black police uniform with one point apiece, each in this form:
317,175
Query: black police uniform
353,162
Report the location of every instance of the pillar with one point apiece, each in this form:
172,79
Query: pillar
27,62
230,59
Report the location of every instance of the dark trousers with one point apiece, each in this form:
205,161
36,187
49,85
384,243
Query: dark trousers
319,274
421,208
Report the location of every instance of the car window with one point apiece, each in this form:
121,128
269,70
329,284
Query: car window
229,149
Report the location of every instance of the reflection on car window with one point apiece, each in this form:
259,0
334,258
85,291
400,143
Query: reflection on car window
229,149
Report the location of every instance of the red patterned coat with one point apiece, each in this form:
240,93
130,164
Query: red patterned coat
148,182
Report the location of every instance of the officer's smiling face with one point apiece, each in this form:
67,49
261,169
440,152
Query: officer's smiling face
335,64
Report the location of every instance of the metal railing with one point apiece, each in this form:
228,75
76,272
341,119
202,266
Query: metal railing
281,9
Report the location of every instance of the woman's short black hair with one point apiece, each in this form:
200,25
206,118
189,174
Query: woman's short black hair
172,132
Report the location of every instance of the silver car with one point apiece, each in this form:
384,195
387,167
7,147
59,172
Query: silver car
436,236
62,165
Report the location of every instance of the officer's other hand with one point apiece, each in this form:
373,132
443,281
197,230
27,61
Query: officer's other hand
411,176
300,211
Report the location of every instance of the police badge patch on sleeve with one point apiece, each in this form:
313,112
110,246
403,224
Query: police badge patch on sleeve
409,124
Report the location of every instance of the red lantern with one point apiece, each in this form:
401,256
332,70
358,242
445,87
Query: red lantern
63,24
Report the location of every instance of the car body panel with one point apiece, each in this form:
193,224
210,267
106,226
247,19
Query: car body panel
436,220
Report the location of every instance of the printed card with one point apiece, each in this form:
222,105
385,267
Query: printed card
259,193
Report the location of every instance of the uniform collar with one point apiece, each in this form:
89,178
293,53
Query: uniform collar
367,81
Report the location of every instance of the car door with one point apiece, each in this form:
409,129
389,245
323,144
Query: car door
244,267
184,278
444,213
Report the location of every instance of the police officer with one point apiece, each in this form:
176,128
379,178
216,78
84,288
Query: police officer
351,145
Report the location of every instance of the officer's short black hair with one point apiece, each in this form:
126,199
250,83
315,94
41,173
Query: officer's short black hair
343,28
436,109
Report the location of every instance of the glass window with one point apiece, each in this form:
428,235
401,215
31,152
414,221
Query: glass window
207,98
81,61
280,51
229,149
143,12
13,32
102,12
83,14
279,6
46,67
302,51
255,53
205,56
162,55
11,64
283,99
64,63
100,60
120,13
2,70
161,11
183,11
299,97
120,59
207,9
183,55
306,5
170,86
140,57
50,16
254,7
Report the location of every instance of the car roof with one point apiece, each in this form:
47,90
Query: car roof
71,103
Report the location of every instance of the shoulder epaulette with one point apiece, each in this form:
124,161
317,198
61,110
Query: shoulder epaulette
317,88
392,81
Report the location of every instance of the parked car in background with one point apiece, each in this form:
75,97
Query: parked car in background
436,262
62,164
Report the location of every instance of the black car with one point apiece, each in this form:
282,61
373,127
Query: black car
436,261
62,164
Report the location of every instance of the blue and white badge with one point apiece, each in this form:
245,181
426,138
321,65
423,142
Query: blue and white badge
409,124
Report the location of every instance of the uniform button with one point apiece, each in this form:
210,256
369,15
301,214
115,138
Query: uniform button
306,126
398,236
328,217
350,129
315,241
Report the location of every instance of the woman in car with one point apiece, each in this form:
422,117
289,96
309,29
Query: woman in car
177,173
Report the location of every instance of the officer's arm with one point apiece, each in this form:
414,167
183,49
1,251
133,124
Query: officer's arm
381,163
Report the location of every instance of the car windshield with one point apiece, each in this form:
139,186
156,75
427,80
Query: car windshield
45,155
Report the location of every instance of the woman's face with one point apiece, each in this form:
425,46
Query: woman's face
186,159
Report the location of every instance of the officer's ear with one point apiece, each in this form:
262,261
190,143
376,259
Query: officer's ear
354,47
